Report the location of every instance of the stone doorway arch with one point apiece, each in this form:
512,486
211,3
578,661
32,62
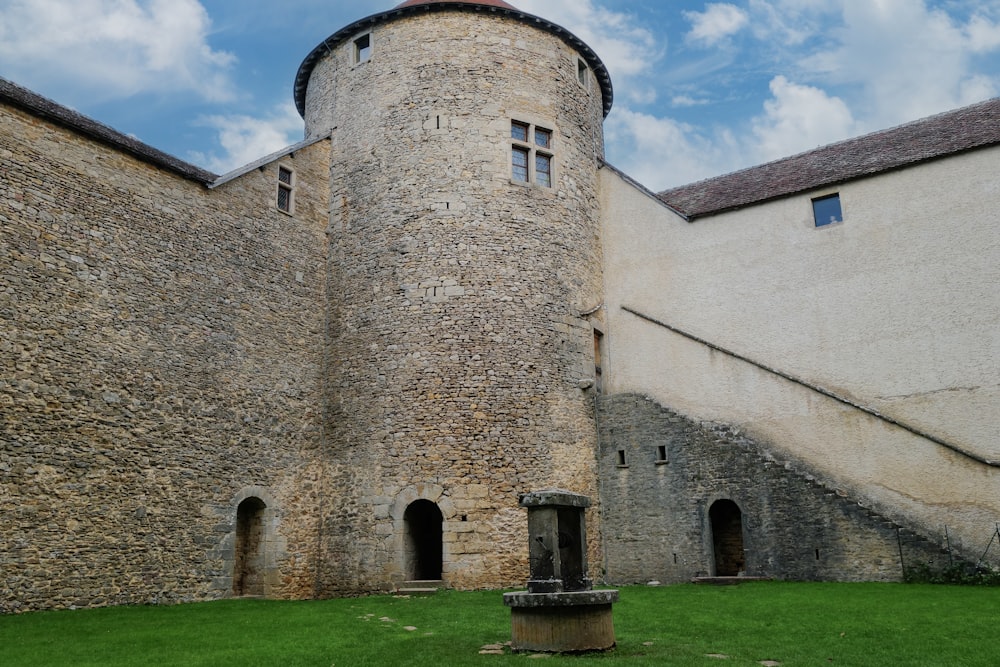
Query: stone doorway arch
727,538
423,524
249,549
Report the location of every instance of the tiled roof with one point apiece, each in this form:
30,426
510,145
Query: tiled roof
965,129
490,3
41,107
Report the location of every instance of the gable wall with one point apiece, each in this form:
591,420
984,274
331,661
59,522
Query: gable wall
895,309
160,353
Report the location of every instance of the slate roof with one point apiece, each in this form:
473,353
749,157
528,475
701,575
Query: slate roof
33,103
950,133
491,3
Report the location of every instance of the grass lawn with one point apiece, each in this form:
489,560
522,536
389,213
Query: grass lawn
792,624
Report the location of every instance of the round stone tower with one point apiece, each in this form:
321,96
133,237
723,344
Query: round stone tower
464,286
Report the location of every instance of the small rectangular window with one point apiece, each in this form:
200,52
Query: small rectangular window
519,131
543,170
543,138
363,48
286,185
826,210
622,462
661,453
519,161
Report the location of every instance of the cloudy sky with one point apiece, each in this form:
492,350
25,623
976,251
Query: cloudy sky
701,88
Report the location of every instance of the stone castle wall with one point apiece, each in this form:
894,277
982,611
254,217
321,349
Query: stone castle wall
656,507
160,360
457,341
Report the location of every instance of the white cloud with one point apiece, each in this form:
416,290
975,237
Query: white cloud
799,118
113,48
629,49
244,139
662,152
984,34
906,60
716,23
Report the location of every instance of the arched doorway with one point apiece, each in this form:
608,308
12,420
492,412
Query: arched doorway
727,538
248,556
424,528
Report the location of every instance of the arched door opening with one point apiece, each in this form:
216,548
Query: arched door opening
424,526
248,556
727,538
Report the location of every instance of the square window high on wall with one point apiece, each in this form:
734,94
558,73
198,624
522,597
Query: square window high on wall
827,210
363,48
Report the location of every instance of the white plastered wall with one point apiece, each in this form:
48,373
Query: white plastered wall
896,309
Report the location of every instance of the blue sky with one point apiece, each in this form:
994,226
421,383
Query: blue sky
701,88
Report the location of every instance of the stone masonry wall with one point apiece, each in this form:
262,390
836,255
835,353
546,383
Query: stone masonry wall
655,507
160,358
457,341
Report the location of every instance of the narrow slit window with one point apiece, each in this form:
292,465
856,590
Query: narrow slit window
622,463
286,190
661,454
363,48
583,74
827,210
598,361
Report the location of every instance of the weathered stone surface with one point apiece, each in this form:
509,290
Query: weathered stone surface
159,357
455,334
655,509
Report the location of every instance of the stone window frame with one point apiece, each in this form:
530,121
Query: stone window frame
537,148
284,199
362,48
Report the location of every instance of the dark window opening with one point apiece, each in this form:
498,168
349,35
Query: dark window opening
248,566
362,48
424,535
727,538
827,210
622,463
661,453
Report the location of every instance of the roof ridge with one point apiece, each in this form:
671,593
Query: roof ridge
933,137
43,107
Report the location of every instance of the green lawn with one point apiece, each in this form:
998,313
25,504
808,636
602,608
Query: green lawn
793,624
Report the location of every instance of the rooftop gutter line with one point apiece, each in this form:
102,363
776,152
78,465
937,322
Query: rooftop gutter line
819,390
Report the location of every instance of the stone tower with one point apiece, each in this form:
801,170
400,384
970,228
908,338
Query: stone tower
464,285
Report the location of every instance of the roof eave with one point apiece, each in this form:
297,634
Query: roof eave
333,41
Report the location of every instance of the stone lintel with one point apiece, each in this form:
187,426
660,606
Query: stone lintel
571,599
554,498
